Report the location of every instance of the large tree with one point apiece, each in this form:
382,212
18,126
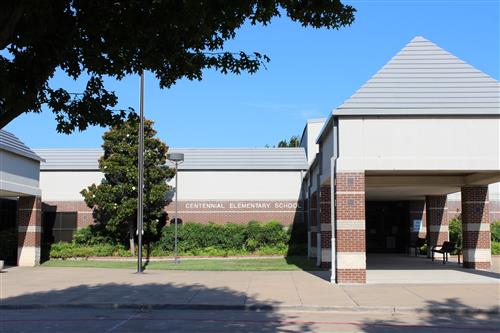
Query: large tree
115,200
95,38
293,142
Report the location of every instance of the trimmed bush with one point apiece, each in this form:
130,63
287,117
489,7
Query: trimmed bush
495,231
63,250
495,247
455,231
91,235
224,238
195,239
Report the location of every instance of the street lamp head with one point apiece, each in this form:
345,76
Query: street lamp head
175,157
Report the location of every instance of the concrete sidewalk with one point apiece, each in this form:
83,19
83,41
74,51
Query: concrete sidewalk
299,290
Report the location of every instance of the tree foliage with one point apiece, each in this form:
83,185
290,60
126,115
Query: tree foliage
115,199
293,142
96,39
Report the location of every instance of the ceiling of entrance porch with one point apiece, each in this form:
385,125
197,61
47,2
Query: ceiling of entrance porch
415,186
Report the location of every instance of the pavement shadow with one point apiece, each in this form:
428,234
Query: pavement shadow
147,297
309,265
450,315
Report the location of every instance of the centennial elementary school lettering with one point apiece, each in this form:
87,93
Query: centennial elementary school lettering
241,205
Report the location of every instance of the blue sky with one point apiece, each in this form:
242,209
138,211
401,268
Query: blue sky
310,73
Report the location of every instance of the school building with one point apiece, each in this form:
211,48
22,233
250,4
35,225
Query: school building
417,144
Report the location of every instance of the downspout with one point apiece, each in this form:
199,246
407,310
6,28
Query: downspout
318,208
309,242
333,170
302,195
301,202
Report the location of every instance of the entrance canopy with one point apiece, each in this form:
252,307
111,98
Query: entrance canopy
416,185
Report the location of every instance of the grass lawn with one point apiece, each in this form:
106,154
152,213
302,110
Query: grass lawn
271,264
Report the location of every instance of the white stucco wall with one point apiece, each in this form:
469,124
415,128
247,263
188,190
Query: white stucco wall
419,143
313,129
66,185
239,185
326,149
19,174
309,137
314,178
193,185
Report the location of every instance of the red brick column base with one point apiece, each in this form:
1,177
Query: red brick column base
351,275
437,220
350,224
476,237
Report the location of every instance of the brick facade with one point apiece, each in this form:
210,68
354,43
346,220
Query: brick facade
286,212
350,233
84,213
455,209
313,216
29,220
476,227
325,217
437,220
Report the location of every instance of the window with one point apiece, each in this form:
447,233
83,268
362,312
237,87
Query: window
59,226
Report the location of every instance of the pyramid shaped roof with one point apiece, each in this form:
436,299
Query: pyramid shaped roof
424,79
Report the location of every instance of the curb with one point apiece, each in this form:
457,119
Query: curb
254,307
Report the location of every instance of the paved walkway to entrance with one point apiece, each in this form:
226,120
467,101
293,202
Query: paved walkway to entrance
400,268
44,286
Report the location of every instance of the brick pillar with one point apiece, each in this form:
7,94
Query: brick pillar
326,225
437,220
29,231
476,227
351,240
417,212
314,224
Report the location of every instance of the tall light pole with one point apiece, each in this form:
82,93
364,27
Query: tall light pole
140,187
177,158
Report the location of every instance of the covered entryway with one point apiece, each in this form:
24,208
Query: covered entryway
387,226
20,198
424,126
422,211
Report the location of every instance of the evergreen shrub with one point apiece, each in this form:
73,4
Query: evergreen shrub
237,238
495,231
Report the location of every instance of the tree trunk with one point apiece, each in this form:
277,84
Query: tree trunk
131,233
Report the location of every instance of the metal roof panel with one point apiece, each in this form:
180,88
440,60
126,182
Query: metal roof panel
11,143
424,79
194,158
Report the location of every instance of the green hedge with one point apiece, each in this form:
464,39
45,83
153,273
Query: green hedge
195,239
455,231
495,231
230,237
495,247
64,250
